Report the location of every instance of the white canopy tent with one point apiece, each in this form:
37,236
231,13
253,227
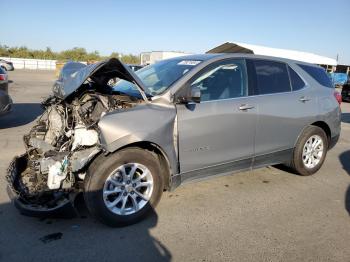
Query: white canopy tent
236,47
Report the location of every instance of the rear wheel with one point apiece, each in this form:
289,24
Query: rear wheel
121,189
310,151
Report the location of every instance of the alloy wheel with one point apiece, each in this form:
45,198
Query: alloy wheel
128,189
313,151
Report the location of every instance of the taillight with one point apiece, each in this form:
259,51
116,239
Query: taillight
2,77
337,96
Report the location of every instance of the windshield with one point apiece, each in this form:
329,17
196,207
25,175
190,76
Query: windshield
158,77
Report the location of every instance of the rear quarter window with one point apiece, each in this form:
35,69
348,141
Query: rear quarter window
295,79
319,74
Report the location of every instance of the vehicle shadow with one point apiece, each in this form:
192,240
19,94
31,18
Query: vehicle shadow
21,114
345,161
285,168
345,117
78,239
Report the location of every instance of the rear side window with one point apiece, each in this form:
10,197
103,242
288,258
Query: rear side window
296,81
2,71
319,74
271,77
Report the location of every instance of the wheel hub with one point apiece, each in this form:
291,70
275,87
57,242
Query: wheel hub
313,151
128,189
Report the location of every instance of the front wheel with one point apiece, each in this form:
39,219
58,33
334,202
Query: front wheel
310,151
123,188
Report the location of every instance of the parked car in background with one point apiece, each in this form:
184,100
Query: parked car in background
345,92
8,66
175,121
5,99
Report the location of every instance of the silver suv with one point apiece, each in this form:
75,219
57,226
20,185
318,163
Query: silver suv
122,144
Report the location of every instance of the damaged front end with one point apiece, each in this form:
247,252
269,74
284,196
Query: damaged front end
45,180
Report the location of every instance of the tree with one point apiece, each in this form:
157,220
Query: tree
130,59
74,54
115,55
4,50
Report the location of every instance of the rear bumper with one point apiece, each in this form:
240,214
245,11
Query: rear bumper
64,210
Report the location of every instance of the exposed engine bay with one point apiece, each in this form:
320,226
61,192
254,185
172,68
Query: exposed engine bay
64,140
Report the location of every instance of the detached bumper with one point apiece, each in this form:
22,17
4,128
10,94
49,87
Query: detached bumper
64,209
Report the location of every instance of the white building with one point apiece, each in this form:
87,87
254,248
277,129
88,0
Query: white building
147,58
26,63
235,47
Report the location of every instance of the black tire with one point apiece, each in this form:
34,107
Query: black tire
100,170
297,163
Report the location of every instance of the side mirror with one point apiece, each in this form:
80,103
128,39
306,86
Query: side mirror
195,94
190,94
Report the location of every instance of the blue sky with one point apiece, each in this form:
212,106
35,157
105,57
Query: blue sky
193,26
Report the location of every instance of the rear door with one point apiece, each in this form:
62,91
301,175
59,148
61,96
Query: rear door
217,134
285,105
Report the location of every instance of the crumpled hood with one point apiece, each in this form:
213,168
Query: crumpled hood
74,74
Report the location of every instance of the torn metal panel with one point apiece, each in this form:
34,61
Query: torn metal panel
79,159
40,144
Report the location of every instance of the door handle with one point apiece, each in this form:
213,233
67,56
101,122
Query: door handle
304,99
245,107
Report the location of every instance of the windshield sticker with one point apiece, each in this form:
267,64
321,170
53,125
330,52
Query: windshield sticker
230,67
189,62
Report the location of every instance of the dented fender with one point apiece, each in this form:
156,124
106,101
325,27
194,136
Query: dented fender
153,123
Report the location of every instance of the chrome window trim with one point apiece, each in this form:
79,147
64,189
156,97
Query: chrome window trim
291,65
280,93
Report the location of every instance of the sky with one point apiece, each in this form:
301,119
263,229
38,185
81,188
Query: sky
135,26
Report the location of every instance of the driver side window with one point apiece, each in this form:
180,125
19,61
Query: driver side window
223,80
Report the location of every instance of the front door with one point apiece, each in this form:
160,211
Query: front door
217,134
